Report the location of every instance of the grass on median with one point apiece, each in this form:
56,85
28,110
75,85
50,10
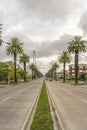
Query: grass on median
2,86
42,118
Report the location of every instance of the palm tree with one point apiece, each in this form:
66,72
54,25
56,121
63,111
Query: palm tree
33,68
64,58
1,41
54,68
35,71
24,59
77,45
14,48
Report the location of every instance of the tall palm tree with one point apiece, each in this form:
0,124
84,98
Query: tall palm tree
64,58
24,59
14,48
35,71
33,68
1,41
76,46
54,68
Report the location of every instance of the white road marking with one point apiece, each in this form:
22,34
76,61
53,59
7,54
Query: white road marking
6,99
20,91
85,101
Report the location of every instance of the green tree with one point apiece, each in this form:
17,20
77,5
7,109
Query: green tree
76,46
64,58
14,48
24,59
54,68
52,71
35,72
49,73
5,70
20,73
1,41
33,68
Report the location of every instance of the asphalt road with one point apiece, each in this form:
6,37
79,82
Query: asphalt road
16,102
71,104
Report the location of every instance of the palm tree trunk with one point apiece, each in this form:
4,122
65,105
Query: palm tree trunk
15,77
76,67
25,71
32,74
55,74
64,72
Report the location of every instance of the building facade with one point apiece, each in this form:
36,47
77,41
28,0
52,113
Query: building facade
82,69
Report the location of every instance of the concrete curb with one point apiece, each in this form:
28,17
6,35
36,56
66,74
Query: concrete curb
58,125
52,112
29,118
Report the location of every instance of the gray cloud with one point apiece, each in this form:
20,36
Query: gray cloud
24,11
35,18
49,48
48,9
83,22
40,25
43,49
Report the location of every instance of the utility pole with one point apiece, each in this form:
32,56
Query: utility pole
34,62
34,57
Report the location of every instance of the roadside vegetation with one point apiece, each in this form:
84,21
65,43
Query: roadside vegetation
12,72
76,46
42,118
64,58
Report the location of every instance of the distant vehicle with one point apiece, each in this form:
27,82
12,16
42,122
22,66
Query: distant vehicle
46,78
50,79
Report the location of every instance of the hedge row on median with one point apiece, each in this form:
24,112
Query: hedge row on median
42,118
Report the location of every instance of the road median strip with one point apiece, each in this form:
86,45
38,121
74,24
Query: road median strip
42,119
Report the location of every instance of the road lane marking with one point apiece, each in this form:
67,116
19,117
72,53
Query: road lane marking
29,86
6,99
20,91
85,101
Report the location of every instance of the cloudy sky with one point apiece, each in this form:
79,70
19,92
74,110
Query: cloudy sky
43,25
